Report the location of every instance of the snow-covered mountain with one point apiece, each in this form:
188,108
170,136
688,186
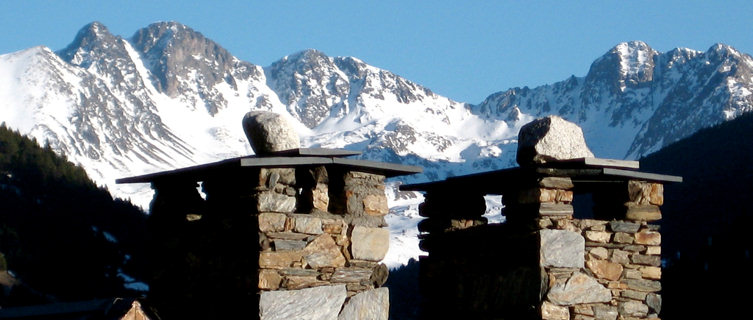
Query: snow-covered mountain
635,100
168,97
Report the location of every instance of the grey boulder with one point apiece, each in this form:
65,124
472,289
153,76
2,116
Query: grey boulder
550,139
269,132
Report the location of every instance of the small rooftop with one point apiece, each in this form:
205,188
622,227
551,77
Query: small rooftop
299,157
584,172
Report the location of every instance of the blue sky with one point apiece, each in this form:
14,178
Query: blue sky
464,50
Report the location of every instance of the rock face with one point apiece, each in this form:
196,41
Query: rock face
269,132
311,304
550,138
369,305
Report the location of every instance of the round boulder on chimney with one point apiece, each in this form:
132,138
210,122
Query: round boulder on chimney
550,139
269,132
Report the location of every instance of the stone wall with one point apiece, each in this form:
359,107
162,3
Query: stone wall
543,263
600,269
332,250
310,241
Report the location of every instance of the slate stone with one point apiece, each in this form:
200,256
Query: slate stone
323,252
580,288
642,212
633,274
632,294
299,272
551,311
369,243
335,227
555,209
376,204
621,257
598,236
269,201
634,248
646,260
622,237
287,235
307,224
270,177
556,182
319,303
643,193
643,285
599,253
653,273
270,222
269,132
583,310
300,282
561,248
368,305
320,197
286,245
351,275
264,244
632,309
650,238
269,279
549,139
603,312
590,224
273,178
605,269
379,275
624,226
279,260
653,301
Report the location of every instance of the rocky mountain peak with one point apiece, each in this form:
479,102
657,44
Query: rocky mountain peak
677,56
308,57
627,65
183,61
310,84
725,56
722,50
92,42
94,29
157,37
169,97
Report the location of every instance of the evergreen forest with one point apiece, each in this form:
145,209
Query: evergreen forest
62,238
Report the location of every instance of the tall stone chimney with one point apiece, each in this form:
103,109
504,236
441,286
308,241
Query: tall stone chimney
577,243
289,233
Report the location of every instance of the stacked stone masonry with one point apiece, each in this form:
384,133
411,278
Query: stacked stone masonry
299,242
337,243
605,267
599,269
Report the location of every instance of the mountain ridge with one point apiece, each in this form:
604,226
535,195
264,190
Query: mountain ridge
168,97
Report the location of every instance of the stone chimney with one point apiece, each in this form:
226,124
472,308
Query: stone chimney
289,233
547,260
